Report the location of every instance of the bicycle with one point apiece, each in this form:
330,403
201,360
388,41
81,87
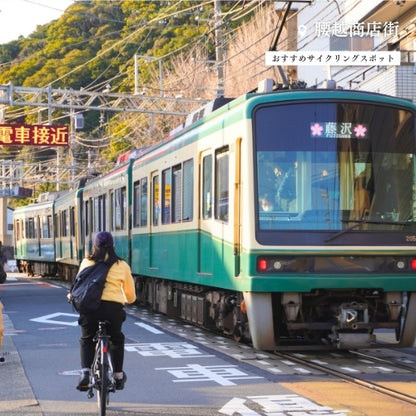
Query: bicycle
101,375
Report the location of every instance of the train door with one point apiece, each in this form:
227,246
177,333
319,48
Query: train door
205,247
18,237
61,233
71,232
38,235
88,224
237,208
155,218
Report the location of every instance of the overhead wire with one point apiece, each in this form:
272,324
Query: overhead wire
252,60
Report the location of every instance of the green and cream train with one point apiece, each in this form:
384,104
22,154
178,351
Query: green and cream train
285,218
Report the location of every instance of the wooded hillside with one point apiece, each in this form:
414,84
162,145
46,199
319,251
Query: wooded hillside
92,47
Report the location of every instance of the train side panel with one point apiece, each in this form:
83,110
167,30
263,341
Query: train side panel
67,233
34,240
106,206
177,241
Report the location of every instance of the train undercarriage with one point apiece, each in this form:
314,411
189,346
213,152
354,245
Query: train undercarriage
32,268
212,309
344,319
333,319
63,271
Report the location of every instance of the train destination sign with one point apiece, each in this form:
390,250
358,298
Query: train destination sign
33,135
330,129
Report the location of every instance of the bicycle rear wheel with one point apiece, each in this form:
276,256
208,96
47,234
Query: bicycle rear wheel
102,391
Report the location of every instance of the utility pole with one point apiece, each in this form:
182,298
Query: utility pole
219,48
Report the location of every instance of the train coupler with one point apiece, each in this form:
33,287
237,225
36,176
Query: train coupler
347,341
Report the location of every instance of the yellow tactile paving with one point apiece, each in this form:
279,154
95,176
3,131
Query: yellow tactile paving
355,400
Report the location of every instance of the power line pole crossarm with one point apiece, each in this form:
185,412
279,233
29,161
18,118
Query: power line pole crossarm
11,95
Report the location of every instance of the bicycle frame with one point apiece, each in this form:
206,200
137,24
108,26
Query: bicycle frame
101,376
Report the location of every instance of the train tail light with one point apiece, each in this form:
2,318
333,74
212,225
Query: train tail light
413,264
262,264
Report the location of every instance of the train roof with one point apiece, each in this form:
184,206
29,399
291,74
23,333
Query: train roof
263,94
38,206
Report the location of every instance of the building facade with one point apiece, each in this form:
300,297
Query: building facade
361,25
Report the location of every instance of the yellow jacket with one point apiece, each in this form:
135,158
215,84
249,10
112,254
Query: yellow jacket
119,285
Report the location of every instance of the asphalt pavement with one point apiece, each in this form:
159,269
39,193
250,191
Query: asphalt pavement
16,394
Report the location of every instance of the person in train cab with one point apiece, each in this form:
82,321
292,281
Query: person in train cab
119,289
266,203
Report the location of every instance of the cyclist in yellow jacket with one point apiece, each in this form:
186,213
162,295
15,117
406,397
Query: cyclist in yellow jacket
118,290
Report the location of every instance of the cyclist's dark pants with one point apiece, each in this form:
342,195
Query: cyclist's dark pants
115,314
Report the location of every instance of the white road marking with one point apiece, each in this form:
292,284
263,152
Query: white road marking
49,319
149,328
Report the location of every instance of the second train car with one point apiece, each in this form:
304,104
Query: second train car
286,218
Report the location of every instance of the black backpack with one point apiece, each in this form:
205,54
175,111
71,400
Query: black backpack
87,288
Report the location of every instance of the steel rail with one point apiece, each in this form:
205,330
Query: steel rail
369,385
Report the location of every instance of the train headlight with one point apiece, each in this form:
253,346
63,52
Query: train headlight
401,265
277,265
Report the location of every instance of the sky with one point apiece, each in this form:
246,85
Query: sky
20,17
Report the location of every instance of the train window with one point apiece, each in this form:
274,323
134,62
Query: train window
30,228
46,226
86,218
99,216
111,214
17,230
119,208
166,196
156,200
188,190
64,223
35,228
72,221
221,184
177,193
332,166
207,187
55,225
140,203
96,218
103,199
50,225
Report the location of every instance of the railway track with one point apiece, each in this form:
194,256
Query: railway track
386,365
330,370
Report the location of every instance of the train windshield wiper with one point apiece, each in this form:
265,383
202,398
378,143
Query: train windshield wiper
360,222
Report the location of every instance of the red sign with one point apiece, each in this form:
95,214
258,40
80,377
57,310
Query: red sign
34,135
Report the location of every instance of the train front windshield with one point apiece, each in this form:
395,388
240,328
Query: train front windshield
334,170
